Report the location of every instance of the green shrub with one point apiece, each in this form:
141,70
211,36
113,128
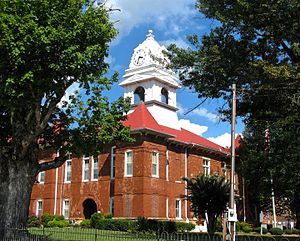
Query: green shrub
108,216
296,231
288,231
58,223
247,229
169,226
276,231
58,217
257,230
183,227
96,218
46,217
33,221
85,223
113,224
219,227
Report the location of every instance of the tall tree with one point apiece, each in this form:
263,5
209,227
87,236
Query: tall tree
46,46
256,45
208,194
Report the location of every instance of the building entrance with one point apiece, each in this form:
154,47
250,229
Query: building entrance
89,208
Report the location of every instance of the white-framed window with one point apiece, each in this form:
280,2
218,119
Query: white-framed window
41,177
113,162
206,166
39,208
85,168
178,209
68,169
112,205
95,168
128,163
155,164
66,208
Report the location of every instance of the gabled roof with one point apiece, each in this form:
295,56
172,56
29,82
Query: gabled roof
141,119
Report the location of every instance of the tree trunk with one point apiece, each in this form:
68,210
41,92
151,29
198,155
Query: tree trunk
16,181
211,226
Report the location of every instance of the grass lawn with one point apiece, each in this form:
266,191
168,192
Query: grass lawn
88,234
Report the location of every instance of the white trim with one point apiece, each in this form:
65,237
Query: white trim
93,168
206,166
37,208
113,162
179,209
167,207
126,164
84,159
55,191
40,181
156,154
66,169
167,164
64,206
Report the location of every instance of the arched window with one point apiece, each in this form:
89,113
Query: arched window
139,95
164,96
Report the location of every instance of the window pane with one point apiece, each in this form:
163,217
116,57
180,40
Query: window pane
154,164
129,163
41,177
66,208
113,162
68,170
95,168
39,208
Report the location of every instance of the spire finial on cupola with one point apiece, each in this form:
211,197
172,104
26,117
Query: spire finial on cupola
150,34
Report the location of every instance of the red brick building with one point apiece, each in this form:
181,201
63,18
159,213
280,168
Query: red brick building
140,179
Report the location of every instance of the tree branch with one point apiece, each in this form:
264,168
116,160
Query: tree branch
295,58
57,162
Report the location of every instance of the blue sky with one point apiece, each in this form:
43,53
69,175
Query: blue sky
171,21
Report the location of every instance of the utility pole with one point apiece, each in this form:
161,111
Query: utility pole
273,202
231,210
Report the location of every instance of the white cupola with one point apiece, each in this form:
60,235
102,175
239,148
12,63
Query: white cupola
148,80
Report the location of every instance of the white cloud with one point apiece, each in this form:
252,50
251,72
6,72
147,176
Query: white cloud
165,15
192,127
205,113
70,91
222,140
178,41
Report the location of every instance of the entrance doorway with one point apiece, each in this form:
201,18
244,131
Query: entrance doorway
89,208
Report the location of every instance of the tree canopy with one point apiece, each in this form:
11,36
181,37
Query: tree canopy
46,46
208,194
255,44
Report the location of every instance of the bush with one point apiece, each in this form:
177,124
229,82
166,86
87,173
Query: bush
108,216
33,221
58,217
85,223
113,224
296,231
288,231
58,223
257,230
183,227
96,218
46,217
247,229
276,231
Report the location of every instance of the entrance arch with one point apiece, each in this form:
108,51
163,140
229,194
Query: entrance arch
89,208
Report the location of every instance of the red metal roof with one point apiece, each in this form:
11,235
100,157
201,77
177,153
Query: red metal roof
141,118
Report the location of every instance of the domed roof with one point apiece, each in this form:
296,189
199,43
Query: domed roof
148,52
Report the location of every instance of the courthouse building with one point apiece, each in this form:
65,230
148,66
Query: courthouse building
139,179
